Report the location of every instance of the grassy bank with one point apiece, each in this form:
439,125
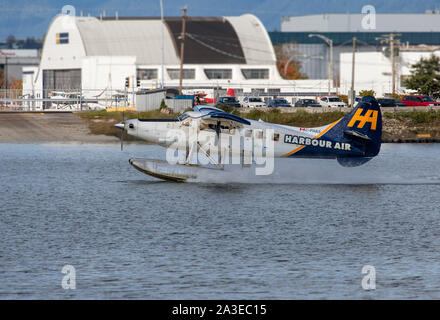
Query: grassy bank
299,118
397,126
411,125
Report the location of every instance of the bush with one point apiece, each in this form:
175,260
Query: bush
163,105
364,93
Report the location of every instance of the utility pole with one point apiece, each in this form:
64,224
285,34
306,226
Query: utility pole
182,48
352,94
390,39
6,72
330,73
393,69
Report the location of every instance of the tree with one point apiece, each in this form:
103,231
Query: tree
425,76
343,97
287,67
365,93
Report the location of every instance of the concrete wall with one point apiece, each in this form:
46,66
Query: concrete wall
150,101
100,73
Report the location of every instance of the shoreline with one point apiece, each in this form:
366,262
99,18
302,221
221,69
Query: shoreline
98,128
48,128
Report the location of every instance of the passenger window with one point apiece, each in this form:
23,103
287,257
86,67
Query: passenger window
276,137
248,133
259,134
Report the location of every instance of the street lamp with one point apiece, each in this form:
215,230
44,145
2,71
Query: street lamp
330,60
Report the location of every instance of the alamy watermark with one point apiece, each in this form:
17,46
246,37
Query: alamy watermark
237,146
68,19
369,17
69,280
369,280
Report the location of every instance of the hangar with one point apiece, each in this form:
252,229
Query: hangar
97,54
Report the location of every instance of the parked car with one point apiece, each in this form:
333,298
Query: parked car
253,102
419,101
227,102
390,102
307,103
331,101
278,102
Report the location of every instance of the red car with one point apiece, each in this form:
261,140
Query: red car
419,101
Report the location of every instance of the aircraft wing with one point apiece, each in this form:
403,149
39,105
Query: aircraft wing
225,119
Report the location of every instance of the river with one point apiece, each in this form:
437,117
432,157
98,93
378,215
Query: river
304,232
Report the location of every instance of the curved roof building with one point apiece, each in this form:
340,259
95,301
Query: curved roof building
95,53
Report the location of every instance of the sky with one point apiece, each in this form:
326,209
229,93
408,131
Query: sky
31,18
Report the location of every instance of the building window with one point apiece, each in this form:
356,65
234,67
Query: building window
238,92
255,73
218,73
257,91
146,74
273,91
62,38
186,74
61,80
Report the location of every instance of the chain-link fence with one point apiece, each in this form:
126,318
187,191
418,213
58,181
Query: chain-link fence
65,100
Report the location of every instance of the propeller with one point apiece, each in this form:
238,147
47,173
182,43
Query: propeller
123,131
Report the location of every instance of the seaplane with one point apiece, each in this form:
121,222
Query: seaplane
223,138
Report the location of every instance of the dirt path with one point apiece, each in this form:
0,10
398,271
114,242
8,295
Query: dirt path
47,127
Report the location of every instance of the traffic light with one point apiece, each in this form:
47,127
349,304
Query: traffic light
138,82
127,82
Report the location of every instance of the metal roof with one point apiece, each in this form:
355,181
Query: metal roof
215,40
254,39
207,41
140,38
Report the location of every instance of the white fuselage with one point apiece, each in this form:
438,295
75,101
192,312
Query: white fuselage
259,134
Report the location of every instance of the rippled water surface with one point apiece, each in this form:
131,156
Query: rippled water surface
304,232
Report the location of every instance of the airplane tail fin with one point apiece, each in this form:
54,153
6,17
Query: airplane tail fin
362,127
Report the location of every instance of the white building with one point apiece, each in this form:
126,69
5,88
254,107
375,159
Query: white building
313,52
96,55
353,22
373,70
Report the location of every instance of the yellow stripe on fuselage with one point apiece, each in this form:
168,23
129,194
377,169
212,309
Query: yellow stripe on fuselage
331,125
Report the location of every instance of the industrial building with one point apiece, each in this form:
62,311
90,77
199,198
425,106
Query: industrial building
101,55
13,60
374,71
415,33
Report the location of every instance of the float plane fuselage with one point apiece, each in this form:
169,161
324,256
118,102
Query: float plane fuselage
352,140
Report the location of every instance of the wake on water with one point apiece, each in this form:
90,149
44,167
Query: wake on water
312,171
391,166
